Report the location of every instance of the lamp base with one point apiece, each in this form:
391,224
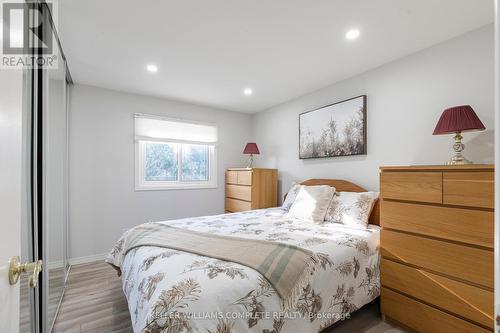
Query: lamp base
461,162
458,147
250,162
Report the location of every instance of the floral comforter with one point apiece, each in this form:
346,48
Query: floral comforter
174,291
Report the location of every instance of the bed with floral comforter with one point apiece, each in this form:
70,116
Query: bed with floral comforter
174,291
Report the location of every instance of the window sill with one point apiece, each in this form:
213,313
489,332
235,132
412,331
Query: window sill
141,188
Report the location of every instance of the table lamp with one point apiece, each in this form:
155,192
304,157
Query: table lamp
456,120
251,148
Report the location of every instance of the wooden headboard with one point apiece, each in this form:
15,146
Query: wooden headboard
346,186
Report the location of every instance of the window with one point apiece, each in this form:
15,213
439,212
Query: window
174,154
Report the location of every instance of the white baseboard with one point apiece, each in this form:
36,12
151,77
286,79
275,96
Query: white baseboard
87,259
55,264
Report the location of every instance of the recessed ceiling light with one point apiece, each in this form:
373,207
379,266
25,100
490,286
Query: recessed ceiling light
248,91
352,34
152,68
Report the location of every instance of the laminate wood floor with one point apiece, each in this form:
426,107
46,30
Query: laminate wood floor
56,287
94,302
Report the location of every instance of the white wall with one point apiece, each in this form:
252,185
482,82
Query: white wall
405,100
102,198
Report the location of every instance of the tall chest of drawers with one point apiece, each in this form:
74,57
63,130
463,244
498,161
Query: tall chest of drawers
251,188
437,246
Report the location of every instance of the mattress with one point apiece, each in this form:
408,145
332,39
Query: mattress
174,291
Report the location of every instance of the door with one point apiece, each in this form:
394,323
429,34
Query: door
11,152
19,309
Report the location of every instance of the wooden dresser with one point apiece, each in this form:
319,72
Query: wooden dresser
248,189
437,247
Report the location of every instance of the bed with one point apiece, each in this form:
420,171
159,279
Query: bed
169,290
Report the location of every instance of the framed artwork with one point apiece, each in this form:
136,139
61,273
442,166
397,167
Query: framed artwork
337,129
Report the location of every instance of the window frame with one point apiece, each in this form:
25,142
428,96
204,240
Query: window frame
142,185
140,152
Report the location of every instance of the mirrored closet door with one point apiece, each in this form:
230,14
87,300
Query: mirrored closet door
56,189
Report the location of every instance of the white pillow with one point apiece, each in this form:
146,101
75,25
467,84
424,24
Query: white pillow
312,203
290,196
351,208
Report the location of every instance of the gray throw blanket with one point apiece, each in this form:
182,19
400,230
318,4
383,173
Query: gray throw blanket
288,268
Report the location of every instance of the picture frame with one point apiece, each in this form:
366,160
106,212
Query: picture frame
334,130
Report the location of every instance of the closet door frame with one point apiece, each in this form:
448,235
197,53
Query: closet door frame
497,165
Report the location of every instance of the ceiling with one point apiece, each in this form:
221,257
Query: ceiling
207,52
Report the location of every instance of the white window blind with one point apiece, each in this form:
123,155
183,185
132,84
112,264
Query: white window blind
152,128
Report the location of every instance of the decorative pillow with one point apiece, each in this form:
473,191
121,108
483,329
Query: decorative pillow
351,208
290,196
312,203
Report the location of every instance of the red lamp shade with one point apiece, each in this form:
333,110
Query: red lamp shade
251,148
458,119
